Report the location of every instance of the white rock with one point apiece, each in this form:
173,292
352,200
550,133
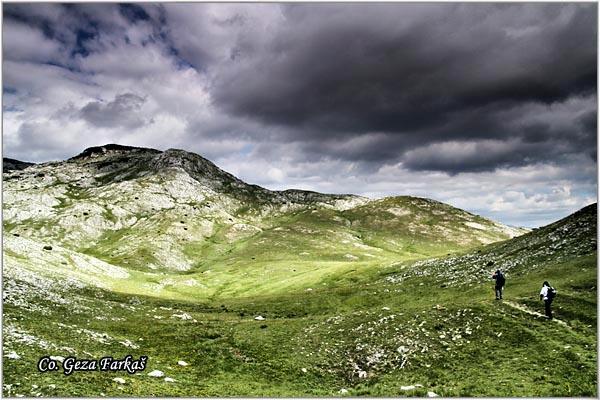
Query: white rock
13,355
182,363
431,394
304,370
343,391
156,373
183,316
259,318
410,387
119,380
362,374
402,349
167,379
385,308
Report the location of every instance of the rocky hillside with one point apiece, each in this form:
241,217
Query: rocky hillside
569,238
151,212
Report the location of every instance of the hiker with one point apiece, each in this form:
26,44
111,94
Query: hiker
500,281
547,294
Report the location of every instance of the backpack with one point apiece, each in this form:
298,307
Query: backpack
500,281
551,293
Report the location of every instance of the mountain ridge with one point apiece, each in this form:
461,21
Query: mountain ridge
174,211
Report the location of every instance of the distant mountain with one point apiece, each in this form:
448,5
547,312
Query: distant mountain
9,164
174,211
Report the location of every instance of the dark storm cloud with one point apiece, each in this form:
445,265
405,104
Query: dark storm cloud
372,83
421,74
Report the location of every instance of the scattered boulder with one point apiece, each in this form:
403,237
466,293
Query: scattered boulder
156,374
259,318
432,394
343,391
182,316
13,355
119,380
182,363
167,379
304,370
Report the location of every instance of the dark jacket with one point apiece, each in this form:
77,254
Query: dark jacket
499,277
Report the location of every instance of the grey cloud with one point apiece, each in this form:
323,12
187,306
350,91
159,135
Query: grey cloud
363,98
366,67
357,82
123,111
422,73
454,157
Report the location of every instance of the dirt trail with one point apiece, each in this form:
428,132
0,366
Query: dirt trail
528,311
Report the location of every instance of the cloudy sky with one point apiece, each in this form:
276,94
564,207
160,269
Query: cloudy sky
488,107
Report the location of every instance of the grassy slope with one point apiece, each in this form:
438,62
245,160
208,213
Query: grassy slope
454,340
198,234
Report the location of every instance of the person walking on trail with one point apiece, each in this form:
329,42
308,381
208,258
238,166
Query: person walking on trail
547,294
500,281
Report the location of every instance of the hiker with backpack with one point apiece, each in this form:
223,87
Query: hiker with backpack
548,293
500,281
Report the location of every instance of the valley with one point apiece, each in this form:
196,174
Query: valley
131,251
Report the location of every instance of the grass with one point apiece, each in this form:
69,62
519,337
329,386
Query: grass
326,331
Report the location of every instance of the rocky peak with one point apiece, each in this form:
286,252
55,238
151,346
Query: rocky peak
196,166
112,148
